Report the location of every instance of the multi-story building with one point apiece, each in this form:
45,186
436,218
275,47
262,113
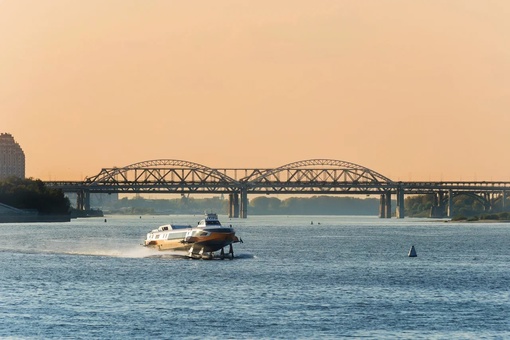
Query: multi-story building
12,157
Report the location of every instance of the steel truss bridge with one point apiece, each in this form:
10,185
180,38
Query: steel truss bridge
315,176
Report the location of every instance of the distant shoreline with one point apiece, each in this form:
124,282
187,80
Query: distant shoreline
34,218
483,221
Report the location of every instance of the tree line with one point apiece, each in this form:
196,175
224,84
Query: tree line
463,207
32,194
263,205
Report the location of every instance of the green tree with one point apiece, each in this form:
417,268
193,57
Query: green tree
33,194
265,205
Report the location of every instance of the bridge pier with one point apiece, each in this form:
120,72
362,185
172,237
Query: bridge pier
244,203
400,203
385,205
503,200
487,207
437,210
80,199
87,200
382,204
449,208
233,200
83,200
388,205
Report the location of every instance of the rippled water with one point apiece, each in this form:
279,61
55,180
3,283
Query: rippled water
344,277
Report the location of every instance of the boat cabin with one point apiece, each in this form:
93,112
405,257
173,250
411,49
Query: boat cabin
168,232
211,220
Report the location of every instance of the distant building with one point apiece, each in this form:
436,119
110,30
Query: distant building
12,157
97,200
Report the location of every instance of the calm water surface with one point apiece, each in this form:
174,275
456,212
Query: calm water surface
342,277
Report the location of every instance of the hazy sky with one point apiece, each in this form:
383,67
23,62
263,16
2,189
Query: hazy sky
416,90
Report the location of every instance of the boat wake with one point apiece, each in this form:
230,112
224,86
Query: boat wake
183,255
245,256
138,252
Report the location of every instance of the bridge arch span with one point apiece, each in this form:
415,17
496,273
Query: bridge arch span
333,169
158,170
479,197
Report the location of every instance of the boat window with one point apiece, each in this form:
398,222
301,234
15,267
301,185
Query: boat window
157,236
213,223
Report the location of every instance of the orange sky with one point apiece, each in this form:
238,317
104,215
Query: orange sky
415,90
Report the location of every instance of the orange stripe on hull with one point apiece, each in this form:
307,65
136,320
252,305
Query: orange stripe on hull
212,242
168,245
209,243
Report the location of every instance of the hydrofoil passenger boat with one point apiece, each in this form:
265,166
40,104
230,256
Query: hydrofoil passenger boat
199,242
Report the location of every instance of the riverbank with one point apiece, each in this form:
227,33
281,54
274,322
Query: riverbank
34,218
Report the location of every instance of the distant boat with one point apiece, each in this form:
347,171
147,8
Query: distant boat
199,242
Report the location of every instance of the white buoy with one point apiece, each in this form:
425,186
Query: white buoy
412,252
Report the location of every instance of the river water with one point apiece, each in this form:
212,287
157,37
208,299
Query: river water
342,277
